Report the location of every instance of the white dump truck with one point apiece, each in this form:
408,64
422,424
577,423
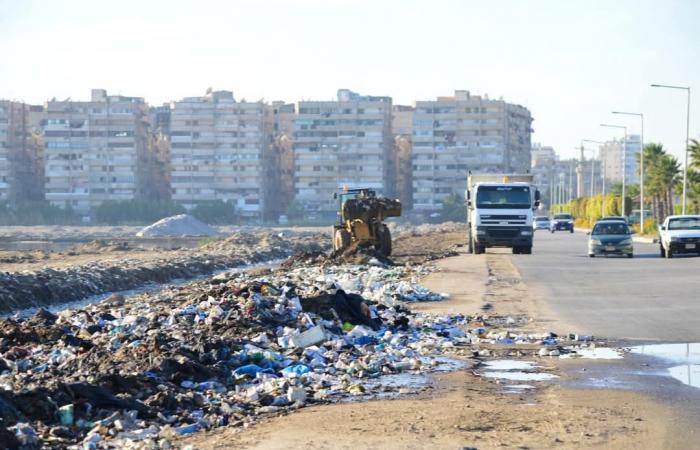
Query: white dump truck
500,210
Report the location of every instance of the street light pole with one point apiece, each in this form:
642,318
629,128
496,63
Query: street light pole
641,167
624,160
593,164
687,140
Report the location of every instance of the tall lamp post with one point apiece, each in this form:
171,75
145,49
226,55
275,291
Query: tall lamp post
687,141
624,160
641,167
593,163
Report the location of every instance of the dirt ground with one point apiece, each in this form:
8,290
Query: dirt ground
407,250
461,409
464,410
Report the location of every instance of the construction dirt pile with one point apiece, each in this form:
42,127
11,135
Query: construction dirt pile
48,286
180,225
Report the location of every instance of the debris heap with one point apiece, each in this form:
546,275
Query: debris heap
220,352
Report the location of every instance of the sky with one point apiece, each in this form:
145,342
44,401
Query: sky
570,62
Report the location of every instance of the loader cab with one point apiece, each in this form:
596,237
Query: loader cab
349,194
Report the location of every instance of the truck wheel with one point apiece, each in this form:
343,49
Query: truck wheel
341,240
478,249
591,255
662,251
527,250
384,245
517,250
572,230
551,230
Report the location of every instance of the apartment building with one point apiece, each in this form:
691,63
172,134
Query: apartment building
461,133
402,130
219,151
21,150
95,151
544,159
620,157
341,143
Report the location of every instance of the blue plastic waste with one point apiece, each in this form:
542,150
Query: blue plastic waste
188,429
364,340
251,369
296,370
549,341
505,341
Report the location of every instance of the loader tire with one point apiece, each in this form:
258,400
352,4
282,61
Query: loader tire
341,240
384,236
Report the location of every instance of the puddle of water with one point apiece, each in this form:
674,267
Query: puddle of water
687,374
409,382
510,364
686,353
518,388
593,353
445,364
520,376
514,370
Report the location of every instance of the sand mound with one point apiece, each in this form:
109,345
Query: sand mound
181,225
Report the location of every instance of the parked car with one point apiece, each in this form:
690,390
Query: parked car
562,222
540,223
614,218
610,237
679,234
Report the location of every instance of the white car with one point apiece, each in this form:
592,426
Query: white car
679,234
540,223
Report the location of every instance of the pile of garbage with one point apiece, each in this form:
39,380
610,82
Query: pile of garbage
214,353
180,225
20,290
386,285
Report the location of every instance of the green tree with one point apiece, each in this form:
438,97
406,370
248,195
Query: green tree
453,209
116,212
215,212
694,154
295,210
661,176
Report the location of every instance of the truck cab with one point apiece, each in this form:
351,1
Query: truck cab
500,211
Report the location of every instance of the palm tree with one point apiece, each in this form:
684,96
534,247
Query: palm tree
669,170
694,153
652,154
694,191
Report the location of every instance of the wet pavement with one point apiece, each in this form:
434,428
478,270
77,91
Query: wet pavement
668,373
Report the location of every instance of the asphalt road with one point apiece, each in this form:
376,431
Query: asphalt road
646,298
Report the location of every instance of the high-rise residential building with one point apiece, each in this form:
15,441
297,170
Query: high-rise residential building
96,150
620,157
21,150
342,143
219,151
543,163
402,130
461,133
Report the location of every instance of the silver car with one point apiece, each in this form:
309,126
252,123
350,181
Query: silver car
540,223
